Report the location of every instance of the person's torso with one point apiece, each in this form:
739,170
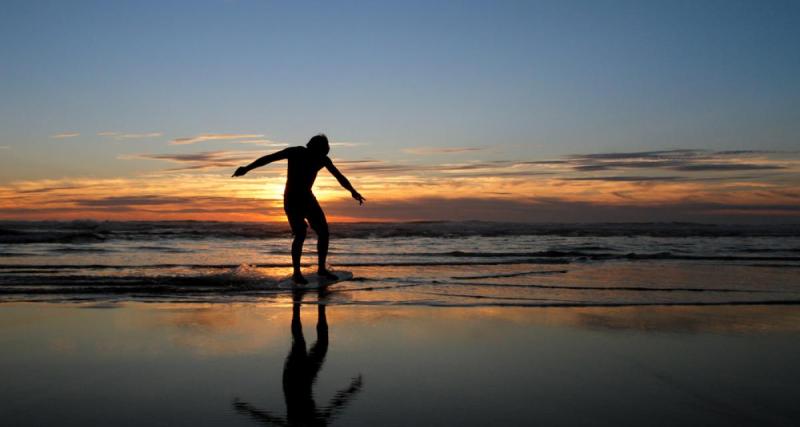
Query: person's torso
302,170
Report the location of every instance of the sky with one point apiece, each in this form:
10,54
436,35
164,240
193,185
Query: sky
503,111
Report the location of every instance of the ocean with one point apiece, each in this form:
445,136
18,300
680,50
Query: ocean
421,263
444,323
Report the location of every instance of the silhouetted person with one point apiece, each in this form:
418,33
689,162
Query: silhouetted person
299,202
299,374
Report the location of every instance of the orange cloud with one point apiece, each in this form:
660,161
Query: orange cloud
213,137
554,190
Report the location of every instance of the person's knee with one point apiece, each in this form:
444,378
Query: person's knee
300,234
322,232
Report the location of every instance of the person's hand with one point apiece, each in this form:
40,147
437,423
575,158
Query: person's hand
356,195
241,170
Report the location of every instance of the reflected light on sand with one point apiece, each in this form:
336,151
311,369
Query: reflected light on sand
216,329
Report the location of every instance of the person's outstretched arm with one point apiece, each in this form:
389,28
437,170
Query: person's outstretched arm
269,158
344,182
265,417
342,398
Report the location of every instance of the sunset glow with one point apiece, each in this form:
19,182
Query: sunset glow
698,185
627,120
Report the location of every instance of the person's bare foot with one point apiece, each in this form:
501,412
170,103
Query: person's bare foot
326,274
299,279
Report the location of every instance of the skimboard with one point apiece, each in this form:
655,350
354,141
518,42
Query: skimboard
314,281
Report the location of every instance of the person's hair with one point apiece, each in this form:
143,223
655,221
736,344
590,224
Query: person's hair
319,143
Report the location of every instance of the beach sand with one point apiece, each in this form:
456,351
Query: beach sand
136,363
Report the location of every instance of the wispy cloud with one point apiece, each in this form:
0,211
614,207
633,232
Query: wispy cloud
745,152
640,186
65,135
728,167
50,189
677,160
624,178
450,170
200,161
494,190
145,197
132,201
421,151
214,137
212,159
121,135
653,155
262,142
533,209
347,144
648,166
4,147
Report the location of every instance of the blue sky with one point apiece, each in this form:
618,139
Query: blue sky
520,80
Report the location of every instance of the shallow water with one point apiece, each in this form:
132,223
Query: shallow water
443,324
441,264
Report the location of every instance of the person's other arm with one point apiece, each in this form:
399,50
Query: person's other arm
344,182
269,158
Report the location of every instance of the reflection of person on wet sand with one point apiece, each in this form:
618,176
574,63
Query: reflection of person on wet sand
299,374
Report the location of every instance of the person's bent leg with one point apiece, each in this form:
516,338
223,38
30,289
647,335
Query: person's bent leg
323,240
297,253
294,213
319,223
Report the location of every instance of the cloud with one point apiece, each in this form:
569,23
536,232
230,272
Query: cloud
633,160
262,142
502,190
533,209
624,178
175,196
202,160
211,159
147,156
649,165
120,135
376,166
50,189
545,162
277,144
4,147
661,154
678,160
65,135
421,151
175,203
499,168
213,137
133,201
637,164
728,167
744,152
347,144
562,189
789,194
190,157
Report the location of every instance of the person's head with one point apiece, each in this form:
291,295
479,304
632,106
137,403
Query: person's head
319,144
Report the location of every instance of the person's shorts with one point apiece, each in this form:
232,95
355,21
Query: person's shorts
300,208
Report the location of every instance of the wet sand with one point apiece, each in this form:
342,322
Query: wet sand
279,363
